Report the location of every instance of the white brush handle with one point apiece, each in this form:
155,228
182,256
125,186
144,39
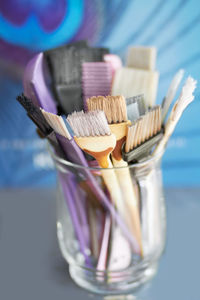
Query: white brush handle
170,126
130,197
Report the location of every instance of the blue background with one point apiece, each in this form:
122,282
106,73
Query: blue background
172,26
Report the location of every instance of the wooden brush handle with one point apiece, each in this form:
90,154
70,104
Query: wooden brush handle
130,197
92,217
112,184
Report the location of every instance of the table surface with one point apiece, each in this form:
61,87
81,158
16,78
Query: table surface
31,265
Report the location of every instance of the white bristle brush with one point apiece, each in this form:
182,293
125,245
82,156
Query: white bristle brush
131,82
185,98
174,85
92,135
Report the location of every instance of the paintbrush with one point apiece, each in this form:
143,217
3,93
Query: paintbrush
131,82
185,98
44,130
114,108
35,114
92,134
66,142
75,155
174,85
142,135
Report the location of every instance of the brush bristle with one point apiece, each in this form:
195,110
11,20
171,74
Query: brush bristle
28,105
114,107
186,97
57,123
92,123
35,114
143,129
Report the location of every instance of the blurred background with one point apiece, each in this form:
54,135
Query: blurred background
30,26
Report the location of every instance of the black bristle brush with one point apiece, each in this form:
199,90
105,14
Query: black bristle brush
35,114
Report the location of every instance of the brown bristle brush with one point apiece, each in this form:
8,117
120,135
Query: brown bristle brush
115,110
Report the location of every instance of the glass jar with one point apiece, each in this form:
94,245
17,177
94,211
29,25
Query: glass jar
111,246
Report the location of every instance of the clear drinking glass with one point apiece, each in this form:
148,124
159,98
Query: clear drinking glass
96,236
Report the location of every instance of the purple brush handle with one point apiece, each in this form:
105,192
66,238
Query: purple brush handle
101,265
75,155
35,86
68,186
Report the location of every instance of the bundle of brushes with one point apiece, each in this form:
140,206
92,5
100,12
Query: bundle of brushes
107,120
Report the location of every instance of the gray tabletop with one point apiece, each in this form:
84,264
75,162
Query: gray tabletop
31,266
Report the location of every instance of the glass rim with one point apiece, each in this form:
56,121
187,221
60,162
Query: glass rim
129,166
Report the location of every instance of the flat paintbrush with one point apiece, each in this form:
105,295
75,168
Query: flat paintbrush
185,98
44,130
92,134
66,142
35,114
131,82
114,108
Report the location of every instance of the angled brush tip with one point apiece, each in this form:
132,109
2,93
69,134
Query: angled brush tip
57,123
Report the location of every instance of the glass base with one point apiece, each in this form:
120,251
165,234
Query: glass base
114,283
